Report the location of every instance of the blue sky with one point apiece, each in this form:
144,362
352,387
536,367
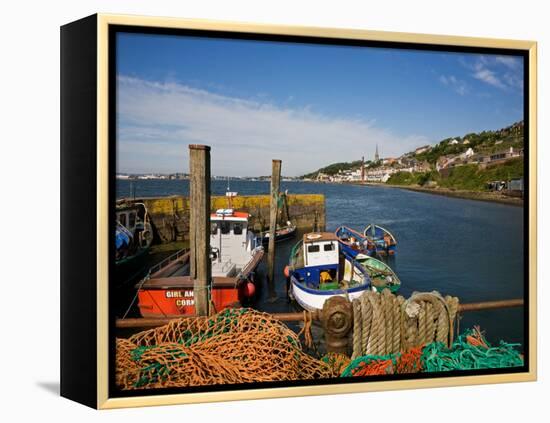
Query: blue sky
309,105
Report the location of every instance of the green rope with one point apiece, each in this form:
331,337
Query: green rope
436,357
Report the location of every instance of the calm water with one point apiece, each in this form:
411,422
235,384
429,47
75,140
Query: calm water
470,249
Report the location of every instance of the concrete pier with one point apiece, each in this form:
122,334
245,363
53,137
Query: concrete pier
170,215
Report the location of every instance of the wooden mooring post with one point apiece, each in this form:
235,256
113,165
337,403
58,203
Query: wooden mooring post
199,225
273,212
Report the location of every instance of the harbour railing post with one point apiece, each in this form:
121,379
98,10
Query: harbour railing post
199,225
273,212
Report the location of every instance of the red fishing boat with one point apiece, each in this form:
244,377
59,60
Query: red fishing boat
167,291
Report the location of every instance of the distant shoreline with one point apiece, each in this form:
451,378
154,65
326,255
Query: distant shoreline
487,196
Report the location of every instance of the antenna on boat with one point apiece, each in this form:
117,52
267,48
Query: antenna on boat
230,194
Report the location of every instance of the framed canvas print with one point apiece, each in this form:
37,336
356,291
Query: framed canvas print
253,211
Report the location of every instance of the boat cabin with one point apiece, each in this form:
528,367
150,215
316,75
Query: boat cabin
133,228
128,218
321,258
231,242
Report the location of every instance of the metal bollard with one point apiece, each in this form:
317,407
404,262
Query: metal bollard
337,321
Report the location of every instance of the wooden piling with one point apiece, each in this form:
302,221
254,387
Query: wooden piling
199,225
273,212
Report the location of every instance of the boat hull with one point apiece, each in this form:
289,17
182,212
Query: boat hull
382,280
177,299
280,236
311,300
128,268
167,293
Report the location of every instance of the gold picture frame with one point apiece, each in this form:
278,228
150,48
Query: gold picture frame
102,200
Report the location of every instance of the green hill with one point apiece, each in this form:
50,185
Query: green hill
468,177
334,168
482,142
465,177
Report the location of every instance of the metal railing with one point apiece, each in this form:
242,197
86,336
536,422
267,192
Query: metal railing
168,260
151,322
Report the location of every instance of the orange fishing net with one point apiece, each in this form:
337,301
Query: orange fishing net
233,346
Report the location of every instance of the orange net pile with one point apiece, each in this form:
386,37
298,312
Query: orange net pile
409,361
233,346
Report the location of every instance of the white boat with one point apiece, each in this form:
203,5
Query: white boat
232,245
235,253
320,269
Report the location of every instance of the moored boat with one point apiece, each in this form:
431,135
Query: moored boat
281,234
133,238
383,240
381,274
167,291
354,242
320,269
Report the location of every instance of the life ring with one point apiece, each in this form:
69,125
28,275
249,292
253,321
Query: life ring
313,236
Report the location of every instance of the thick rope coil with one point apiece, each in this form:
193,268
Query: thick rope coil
453,314
443,324
422,326
430,322
387,303
366,315
388,324
377,337
357,327
397,332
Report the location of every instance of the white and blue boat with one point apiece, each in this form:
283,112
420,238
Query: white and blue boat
319,269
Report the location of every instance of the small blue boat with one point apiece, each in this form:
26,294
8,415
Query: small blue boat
383,240
354,242
320,269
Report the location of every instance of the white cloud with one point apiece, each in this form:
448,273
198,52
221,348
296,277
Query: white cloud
509,61
157,121
458,85
503,72
483,73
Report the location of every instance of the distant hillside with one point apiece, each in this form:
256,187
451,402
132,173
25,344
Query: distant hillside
468,177
334,168
483,142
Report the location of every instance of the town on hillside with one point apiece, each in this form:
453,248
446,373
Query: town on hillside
432,165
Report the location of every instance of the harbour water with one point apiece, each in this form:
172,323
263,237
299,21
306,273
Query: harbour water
469,249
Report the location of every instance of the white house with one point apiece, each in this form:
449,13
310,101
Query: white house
467,154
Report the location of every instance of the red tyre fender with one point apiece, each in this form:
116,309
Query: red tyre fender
286,272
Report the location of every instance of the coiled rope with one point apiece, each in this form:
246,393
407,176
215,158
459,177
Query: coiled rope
384,323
